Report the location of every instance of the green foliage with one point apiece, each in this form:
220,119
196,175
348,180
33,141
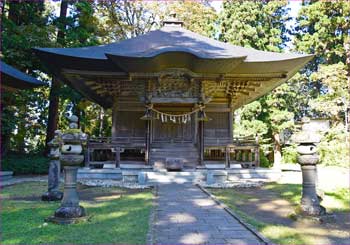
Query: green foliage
122,220
264,161
257,24
333,148
333,103
289,154
197,16
322,27
25,164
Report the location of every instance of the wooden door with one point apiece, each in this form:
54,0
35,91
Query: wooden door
170,132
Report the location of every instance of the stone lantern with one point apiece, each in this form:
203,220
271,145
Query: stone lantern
71,157
307,140
53,194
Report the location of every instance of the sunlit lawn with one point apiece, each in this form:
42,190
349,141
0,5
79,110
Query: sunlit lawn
123,219
338,200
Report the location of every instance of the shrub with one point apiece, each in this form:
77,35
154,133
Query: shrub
264,161
25,163
289,154
333,149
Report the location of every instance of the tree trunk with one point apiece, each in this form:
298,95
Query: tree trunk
53,111
277,151
56,84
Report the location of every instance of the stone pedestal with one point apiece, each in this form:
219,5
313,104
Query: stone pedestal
308,159
216,176
70,210
173,163
53,193
71,157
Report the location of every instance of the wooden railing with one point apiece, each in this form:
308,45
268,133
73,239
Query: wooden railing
116,145
239,150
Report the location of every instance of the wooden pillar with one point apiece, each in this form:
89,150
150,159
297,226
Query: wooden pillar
114,119
227,157
257,156
148,141
230,123
117,157
201,142
257,152
250,155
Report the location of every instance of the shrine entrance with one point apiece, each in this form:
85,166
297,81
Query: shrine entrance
169,130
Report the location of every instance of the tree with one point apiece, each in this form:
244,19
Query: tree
323,28
24,25
256,24
122,19
52,120
261,25
197,16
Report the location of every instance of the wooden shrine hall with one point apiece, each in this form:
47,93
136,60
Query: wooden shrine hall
172,93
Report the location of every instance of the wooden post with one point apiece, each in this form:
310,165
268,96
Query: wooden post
257,151
148,142
250,155
257,156
230,123
88,156
114,119
201,143
117,157
227,156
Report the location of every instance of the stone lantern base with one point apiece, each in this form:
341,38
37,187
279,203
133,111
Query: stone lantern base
68,215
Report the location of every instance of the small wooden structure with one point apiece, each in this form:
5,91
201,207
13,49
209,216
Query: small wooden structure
172,93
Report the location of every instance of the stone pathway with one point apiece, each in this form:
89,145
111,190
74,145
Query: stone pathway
186,215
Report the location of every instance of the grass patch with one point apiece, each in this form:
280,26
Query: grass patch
121,220
335,200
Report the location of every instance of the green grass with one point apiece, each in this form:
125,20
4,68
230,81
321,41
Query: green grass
333,201
121,220
336,200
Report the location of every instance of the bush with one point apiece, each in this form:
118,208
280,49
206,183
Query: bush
264,161
333,149
290,154
25,164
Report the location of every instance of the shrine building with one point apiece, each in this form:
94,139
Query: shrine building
172,93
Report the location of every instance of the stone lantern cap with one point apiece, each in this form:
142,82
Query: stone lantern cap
73,135
303,137
308,135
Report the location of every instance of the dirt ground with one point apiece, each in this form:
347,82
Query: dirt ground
268,207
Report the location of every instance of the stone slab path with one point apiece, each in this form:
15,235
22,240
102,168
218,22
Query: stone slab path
186,215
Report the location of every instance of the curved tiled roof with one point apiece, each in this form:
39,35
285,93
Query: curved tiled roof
167,40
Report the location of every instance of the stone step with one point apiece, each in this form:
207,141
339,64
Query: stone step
185,159
184,149
165,155
171,145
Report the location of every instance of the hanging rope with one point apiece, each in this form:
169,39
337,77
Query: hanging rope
180,118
